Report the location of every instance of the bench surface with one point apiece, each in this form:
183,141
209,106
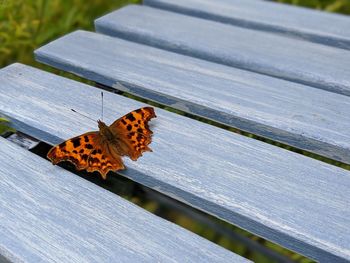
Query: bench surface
50,215
297,202
280,195
295,60
308,24
295,114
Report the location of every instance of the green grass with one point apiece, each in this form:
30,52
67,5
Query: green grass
5,127
28,24
337,6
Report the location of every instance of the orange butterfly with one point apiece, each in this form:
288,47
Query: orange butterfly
102,150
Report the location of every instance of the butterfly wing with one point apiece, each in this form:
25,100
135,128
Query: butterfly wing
86,151
103,160
133,132
76,150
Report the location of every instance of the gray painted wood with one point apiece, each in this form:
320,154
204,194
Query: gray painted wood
50,215
296,60
312,25
306,118
298,202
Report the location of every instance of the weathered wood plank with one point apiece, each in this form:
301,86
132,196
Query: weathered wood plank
50,215
295,201
308,63
303,23
306,118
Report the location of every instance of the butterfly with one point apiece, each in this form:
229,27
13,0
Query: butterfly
102,150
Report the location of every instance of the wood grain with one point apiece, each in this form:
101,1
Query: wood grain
291,59
50,215
301,23
309,119
292,200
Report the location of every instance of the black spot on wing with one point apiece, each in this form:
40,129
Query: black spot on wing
130,117
76,142
89,146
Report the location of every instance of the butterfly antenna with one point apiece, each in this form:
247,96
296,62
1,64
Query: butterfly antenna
102,105
82,115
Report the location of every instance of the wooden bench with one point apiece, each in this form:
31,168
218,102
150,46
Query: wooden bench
325,67
301,23
298,115
49,214
293,200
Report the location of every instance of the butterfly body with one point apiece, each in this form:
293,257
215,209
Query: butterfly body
102,150
105,131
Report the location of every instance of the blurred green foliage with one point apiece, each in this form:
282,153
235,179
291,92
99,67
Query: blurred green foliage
337,6
28,24
4,126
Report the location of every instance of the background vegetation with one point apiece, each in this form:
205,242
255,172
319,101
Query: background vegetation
338,6
28,24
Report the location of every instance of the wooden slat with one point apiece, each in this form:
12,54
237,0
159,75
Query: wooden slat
291,59
306,118
295,201
311,25
50,215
